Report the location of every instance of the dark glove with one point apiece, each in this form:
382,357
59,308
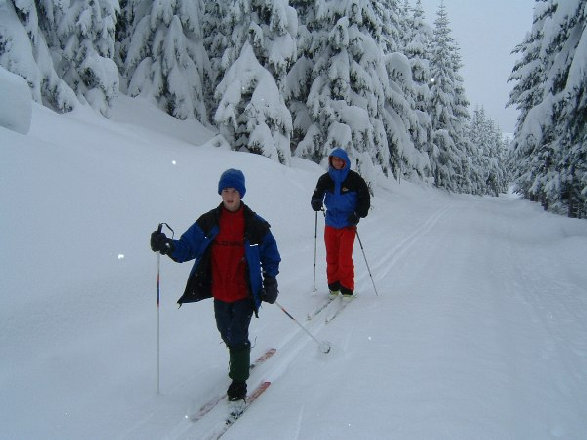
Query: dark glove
353,219
160,243
269,293
316,204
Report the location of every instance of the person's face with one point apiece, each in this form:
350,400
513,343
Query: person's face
337,163
231,199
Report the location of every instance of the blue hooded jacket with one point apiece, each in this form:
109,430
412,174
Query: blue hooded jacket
343,192
261,254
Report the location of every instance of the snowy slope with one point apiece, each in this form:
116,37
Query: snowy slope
479,330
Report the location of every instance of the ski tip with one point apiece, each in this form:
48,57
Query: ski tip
258,391
325,347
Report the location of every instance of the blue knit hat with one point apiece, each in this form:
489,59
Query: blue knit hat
232,178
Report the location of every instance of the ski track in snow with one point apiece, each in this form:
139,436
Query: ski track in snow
296,342
387,261
479,330
454,321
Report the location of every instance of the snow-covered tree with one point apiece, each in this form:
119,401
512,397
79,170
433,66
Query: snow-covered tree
166,60
565,85
470,178
252,114
392,37
70,42
269,26
405,15
489,157
347,97
407,126
217,33
550,141
64,49
123,32
402,120
299,78
85,31
418,43
526,95
447,109
264,36
273,34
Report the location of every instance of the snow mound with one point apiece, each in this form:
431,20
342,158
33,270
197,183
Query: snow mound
16,110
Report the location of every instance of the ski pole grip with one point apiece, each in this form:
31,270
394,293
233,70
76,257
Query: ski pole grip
160,227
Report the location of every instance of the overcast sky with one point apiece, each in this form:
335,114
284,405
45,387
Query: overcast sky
486,32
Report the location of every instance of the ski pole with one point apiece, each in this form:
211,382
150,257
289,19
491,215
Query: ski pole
324,346
158,265
367,264
159,227
315,233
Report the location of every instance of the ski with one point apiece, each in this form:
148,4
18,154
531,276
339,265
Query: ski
317,310
344,302
237,411
211,404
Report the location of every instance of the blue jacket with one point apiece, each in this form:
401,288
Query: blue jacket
343,192
261,254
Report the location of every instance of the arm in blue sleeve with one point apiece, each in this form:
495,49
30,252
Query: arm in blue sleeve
189,245
270,257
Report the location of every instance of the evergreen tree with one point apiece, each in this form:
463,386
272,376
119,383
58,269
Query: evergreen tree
418,50
399,118
489,159
252,114
166,60
447,105
416,42
279,77
470,177
273,34
64,50
393,34
299,78
566,83
217,33
528,72
405,15
85,34
550,138
238,19
265,30
123,33
347,97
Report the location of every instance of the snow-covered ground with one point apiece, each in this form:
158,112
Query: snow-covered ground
479,330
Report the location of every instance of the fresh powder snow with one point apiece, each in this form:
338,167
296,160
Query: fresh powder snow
478,331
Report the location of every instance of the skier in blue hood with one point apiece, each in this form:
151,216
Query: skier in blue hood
346,197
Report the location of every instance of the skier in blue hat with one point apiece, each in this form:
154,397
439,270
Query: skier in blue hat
236,264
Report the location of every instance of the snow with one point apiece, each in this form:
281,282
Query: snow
16,111
479,330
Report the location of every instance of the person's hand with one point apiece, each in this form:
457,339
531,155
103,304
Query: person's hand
316,204
160,243
269,293
353,219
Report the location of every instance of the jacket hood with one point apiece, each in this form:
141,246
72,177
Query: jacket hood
341,154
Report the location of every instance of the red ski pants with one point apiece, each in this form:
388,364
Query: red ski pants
339,255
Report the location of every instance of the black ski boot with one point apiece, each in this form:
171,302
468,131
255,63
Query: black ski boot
240,359
237,390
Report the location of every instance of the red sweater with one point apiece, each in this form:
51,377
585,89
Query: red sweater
229,283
